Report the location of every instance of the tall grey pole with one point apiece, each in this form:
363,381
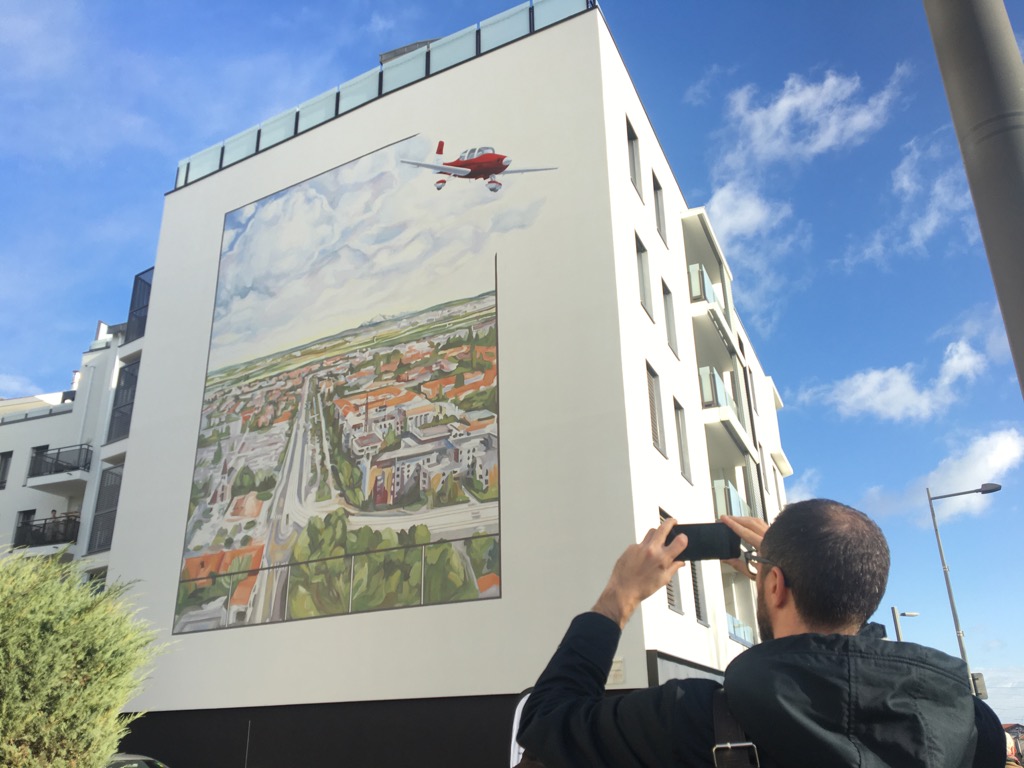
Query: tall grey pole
949,586
984,79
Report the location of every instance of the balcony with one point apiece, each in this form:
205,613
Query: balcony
63,471
139,308
720,410
740,632
728,500
102,534
55,530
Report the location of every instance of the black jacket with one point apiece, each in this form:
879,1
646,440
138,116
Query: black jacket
807,700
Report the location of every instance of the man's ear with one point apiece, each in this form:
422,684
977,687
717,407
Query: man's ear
776,592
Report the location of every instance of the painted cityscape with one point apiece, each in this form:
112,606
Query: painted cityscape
356,469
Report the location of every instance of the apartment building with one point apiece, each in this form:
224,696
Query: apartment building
359,541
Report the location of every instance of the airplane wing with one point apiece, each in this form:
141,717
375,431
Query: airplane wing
525,170
438,168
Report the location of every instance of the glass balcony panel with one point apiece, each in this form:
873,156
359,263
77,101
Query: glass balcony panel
453,49
505,27
739,631
317,110
203,164
547,12
179,178
728,500
359,90
240,147
701,287
277,129
405,69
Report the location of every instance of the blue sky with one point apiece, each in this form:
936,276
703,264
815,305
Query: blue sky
819,137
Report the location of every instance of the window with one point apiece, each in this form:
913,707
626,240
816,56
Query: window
684,450
672,589
634,156
124,400
102,533
5,467
659,209
670,318
643,273
657,422
699,607
139,307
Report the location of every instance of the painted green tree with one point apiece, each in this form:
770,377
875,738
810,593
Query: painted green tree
71,658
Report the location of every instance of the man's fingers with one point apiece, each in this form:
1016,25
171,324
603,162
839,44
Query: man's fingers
750,529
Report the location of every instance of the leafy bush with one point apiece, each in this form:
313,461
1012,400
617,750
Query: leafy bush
70,660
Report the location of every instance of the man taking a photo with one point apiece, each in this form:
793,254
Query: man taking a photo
816,692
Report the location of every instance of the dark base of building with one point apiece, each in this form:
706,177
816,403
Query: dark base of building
427,733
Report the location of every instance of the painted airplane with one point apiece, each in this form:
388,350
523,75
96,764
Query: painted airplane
476,163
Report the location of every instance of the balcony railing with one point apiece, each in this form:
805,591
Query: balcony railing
421,62
714,394
120,422
701,287
740,632
55,530
728,500
68,459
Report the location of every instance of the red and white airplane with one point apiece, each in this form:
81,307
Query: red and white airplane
476,163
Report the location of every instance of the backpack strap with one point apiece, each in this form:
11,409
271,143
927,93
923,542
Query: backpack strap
732,747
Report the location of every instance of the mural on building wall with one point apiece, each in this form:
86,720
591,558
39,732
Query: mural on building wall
347,459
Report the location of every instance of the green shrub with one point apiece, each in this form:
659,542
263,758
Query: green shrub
70,660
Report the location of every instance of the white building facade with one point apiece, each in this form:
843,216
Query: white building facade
360,539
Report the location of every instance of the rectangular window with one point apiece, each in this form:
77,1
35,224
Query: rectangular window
684,450
634,156
659,209
124,400
699,607
672,589
644,275
102,533
670,318
657,422
5,467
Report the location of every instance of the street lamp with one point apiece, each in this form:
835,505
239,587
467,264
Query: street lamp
896,620
985,488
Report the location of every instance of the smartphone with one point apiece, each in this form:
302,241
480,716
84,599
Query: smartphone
708,541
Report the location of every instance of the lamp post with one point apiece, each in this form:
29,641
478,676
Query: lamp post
985,488
896,613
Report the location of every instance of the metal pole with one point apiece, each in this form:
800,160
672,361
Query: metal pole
949,586
984,80
896,622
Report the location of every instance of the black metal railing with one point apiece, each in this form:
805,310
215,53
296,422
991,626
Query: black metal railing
55,530
68,459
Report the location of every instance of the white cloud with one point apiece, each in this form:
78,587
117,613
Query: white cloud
792,127
985,459
12,385
977,459
803,486
806,119
698,93
933,200
893,394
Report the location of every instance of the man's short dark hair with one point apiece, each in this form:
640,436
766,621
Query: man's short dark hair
835,560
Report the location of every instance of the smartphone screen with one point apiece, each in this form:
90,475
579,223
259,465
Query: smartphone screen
707,541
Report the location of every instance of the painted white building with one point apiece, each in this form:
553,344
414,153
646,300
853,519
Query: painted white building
330,253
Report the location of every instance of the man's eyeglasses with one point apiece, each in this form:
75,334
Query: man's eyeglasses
751,558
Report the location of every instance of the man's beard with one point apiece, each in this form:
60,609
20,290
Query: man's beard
764,624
